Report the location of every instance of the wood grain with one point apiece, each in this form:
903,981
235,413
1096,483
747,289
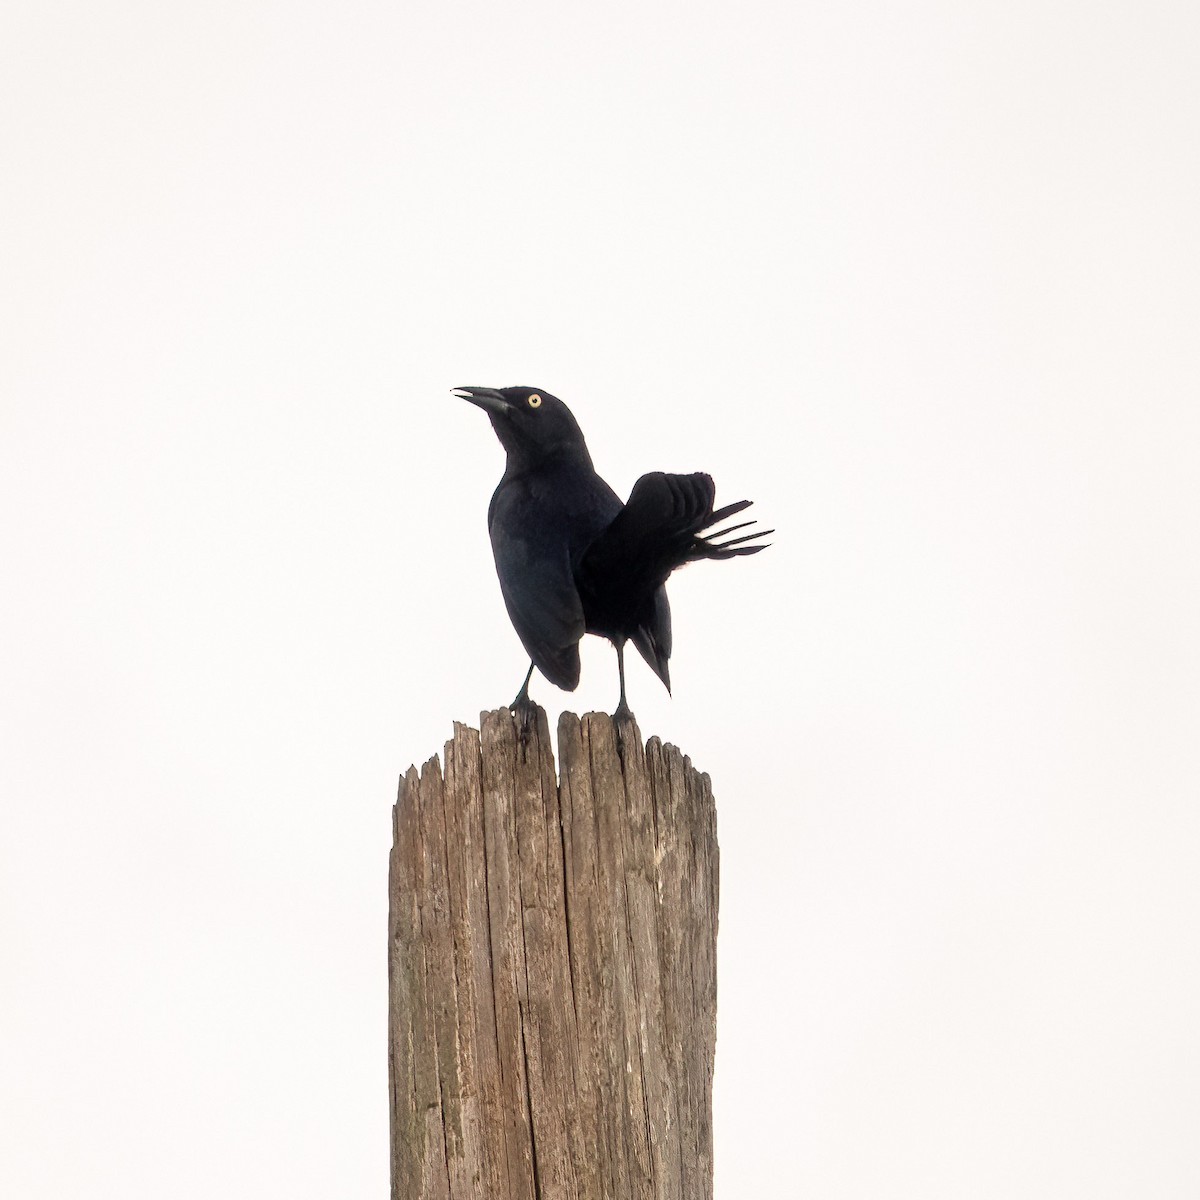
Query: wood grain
552,967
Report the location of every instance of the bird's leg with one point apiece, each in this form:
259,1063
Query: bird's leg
524,709
522,699
624,712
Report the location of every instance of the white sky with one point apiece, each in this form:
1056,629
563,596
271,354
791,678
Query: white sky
919,278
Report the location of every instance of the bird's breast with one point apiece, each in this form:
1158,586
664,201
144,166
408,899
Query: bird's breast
564,508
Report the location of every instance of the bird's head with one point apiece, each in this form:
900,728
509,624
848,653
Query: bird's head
532,425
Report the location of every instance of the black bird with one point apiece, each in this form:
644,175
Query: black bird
572,559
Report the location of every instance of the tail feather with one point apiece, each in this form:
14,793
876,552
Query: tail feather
716,533
728,511
720,545
732,548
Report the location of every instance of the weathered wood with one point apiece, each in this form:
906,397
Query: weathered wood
552,966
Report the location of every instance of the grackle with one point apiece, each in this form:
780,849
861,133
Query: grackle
572,559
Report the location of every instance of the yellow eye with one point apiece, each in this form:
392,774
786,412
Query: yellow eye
535,401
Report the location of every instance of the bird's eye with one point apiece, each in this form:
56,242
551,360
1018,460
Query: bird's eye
535,401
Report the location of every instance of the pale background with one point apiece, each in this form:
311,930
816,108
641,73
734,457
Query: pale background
919,278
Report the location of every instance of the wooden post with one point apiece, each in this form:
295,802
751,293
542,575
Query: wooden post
552,968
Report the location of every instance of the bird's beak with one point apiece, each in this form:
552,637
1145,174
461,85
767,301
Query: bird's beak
489,399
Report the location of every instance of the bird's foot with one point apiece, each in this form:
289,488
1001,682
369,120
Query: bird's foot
525,713
624,725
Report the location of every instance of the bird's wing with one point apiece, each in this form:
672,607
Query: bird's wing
542,600
656,530
659,529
